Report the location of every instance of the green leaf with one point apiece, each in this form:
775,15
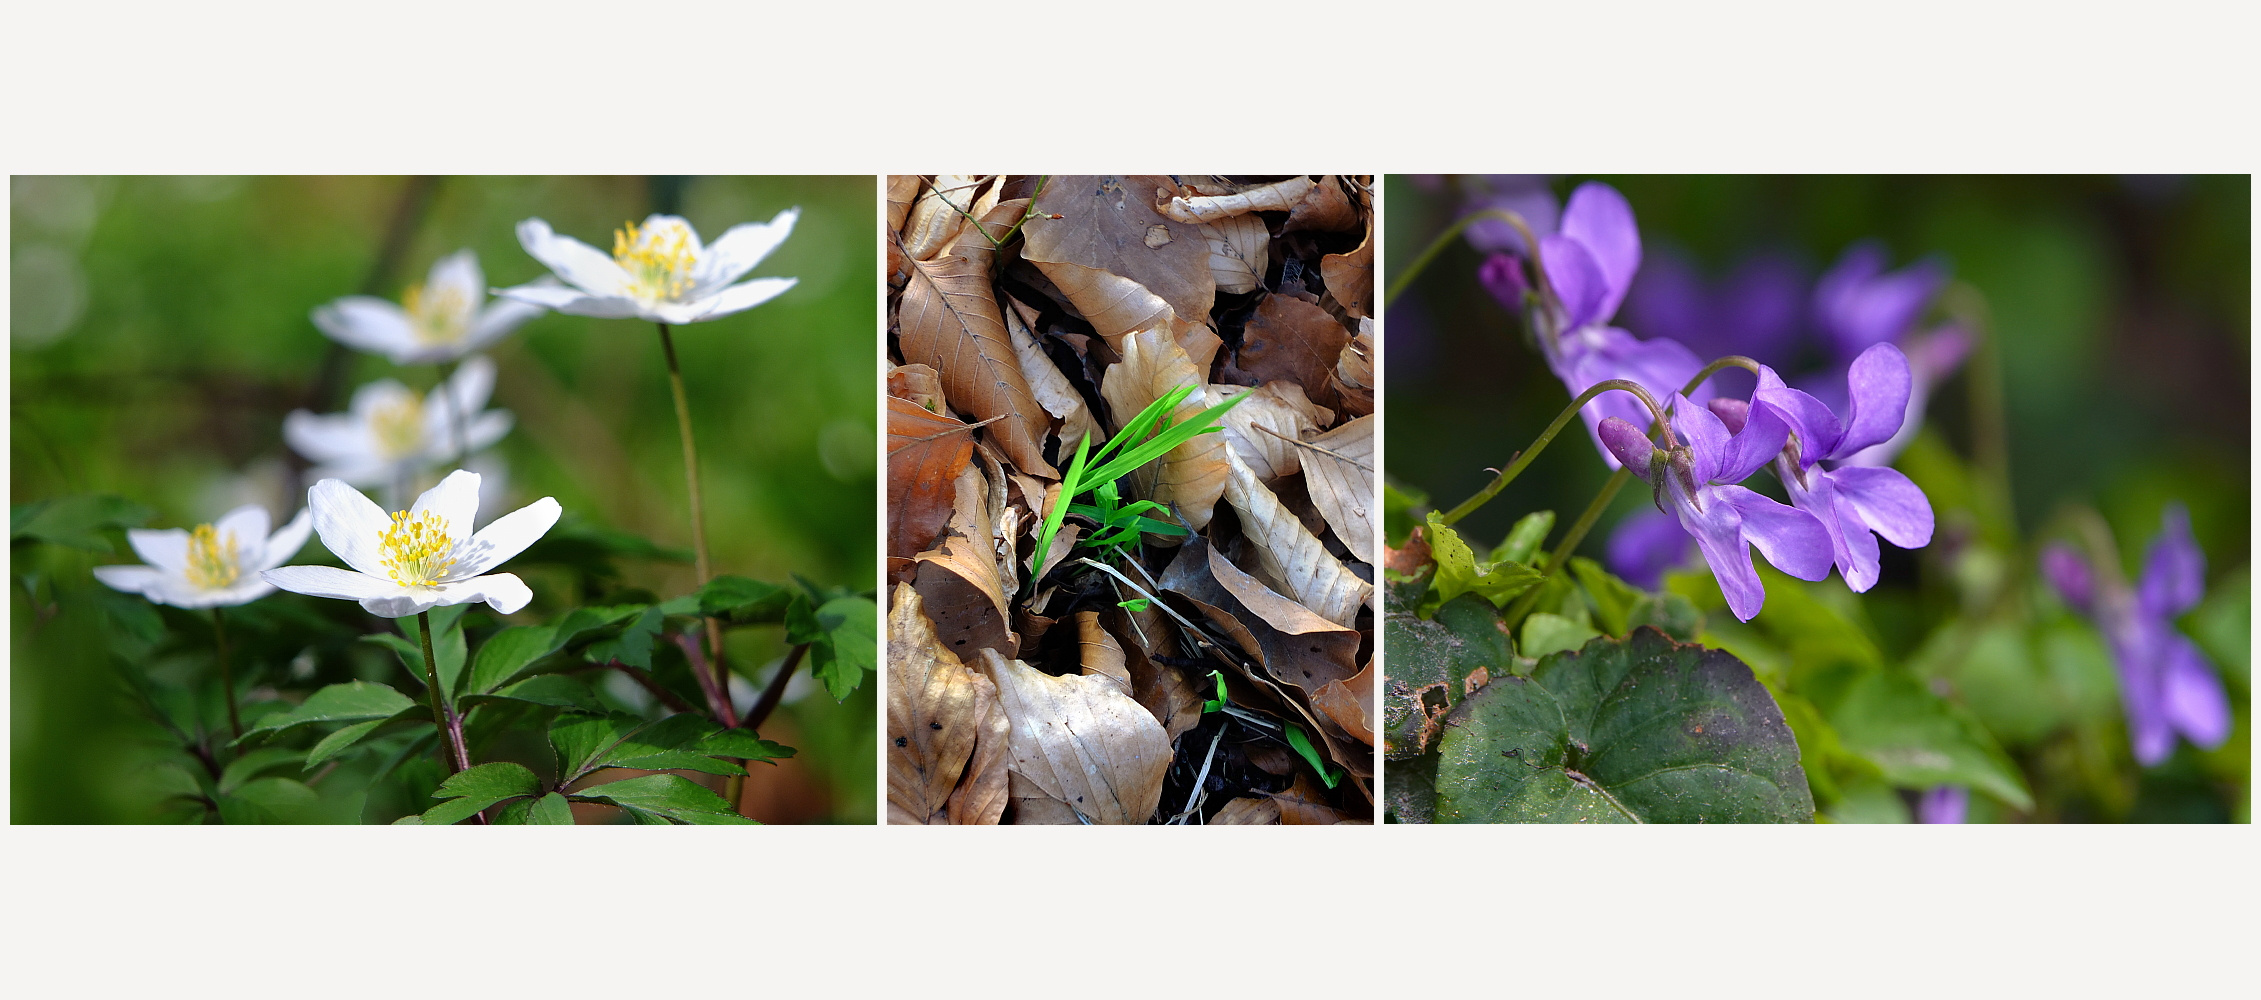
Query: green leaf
78,522
742,601
270,801
471,791
1613,599
509,651
1398,504
1639,730
1545,633
1916,738
254,763
1431,662
553,690
1302,745
685,741
550,810
741,744
1671,614
341,741
1524,539
664,797
1458,572
850,646
633,646
353,701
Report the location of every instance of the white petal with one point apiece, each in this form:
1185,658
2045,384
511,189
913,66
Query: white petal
497,320
407,602
283,544
547,293
382,394
486,429
349,524
506,537
737,251
245,590
249,523
132,579
330,581
656,220
581,265
458,271
604,307
502,591
367,324
327,438
455,500
166,549
739,298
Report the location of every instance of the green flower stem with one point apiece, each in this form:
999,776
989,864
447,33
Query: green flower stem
227,679
721,673
1421,263
771,696
451,726
1561,420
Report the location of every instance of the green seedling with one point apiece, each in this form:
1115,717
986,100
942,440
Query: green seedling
1119,525
1302,744
1135,605
1212,706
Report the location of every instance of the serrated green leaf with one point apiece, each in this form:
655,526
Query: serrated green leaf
633,646
509,651
664,796
684,741
1638,730
353,701
1523,540
553,690
1458,572
254,763
850,646
550,810
339,742
740,744
742,600
471,791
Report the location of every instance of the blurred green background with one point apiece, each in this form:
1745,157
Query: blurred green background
2121,309
159,334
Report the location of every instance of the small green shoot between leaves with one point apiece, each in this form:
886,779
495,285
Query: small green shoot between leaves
1121,525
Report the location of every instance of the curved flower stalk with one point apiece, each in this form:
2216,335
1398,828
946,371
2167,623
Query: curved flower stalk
1855,502
212,566
2167,687
1695,480
657,271
444,319
421,558
390,432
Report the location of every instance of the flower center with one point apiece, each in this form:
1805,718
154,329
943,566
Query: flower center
414,550
439,318
658,259
399,426
212,561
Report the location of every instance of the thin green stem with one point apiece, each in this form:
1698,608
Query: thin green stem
451,727
1444,239
227,679
1523,459
1730,361
1569,544
720,673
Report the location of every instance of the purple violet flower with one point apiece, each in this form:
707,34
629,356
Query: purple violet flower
2167,687
1756,311
1855,503
1527,195
1695,481
1858,305
1645,545
1944,804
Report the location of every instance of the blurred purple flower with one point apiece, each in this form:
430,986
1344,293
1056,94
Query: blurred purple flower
1944,804
1502,275
1527,195
1858,304
1855,503
1695,482
2065,570
1645,545
1757,311
2167,687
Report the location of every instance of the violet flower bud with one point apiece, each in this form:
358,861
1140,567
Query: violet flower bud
1502,275
2069,574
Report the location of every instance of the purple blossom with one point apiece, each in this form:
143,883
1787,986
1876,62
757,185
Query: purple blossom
1527,195
2167,687
1858,304
1944,804
1695,481
1855,503
1757,311
1645,545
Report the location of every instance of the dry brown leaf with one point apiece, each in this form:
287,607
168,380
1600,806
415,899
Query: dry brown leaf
1350,276
1279,196
1325,209
1192,475
1099,652
935,715
1280,409
1289,555
940,214
958,579
1106,223
1338,470
1352,383
1300,648
1238,248
981,796
1410,558
950,322
1304,804
1288,339
920,385
925,453
1350,703
1248,812
1032,806
1163,689
1082,740
1112,304
902,189
1052,389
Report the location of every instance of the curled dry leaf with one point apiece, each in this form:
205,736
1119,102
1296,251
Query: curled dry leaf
958,579
1248,812
925,453
1263,430
1100,653
1350,703
902,190
1353,380
1290,340
1238,247
1280,196
950,322
1303,804
1112,304
939,215
1192,475
1325,209
1163,690
938,712
920,385
1288,554
1350,276
1053,391
1107,223
1081,741
1338,470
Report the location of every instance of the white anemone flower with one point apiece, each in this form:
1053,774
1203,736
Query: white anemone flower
445,318
390,431
658,271
215,565
421,558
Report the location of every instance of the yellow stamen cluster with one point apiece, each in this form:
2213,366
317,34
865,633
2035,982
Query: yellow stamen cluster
414,550
399,426
659,258
439,318
212,562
